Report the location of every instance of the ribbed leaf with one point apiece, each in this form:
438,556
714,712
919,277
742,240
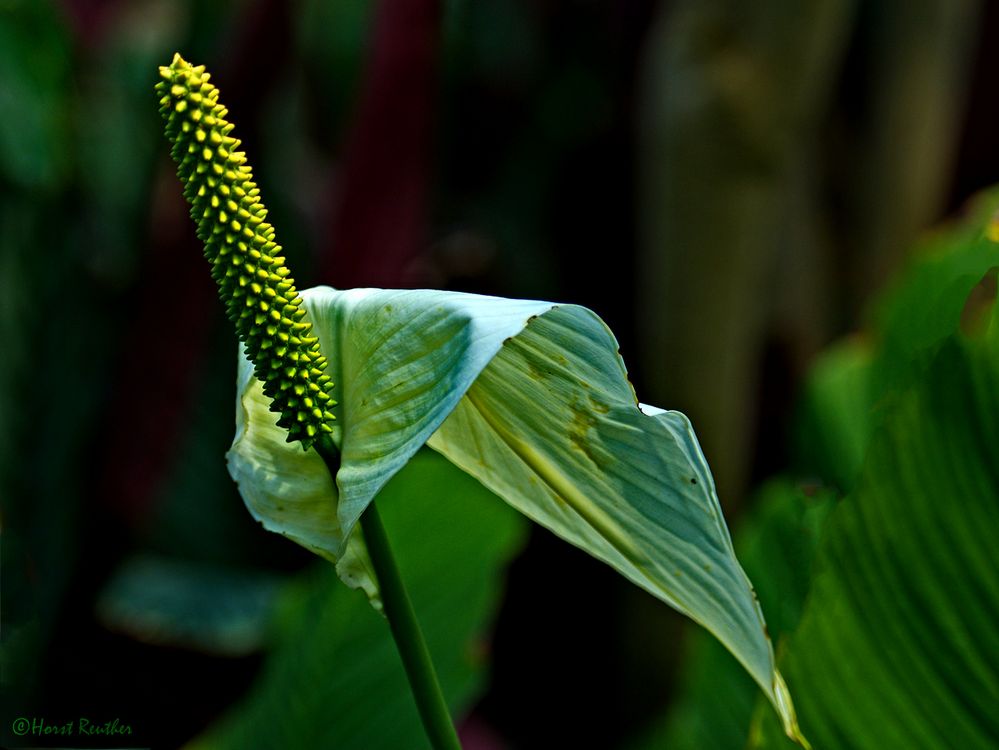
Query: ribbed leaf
850,391
533,400
898,645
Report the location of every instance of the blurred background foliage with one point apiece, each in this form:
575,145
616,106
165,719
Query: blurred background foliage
730,186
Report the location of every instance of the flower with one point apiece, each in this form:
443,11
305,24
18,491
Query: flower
532,399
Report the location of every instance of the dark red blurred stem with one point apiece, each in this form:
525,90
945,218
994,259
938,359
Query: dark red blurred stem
152,392
379,218
89,19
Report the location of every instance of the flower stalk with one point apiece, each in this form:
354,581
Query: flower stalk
405,627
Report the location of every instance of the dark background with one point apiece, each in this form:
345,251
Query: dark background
725,183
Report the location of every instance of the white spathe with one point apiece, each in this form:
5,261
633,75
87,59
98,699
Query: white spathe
532,399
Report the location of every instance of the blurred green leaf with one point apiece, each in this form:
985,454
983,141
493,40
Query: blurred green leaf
334,678
897,647
834,416
852,388
924,306
184,604
35,112
848,388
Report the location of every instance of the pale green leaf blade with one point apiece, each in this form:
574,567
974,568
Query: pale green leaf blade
713,705
184,604
285,488
401,361
533,400
552,425
290,491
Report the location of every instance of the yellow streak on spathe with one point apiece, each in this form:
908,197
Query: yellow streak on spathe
551,475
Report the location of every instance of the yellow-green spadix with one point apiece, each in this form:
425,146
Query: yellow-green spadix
253,281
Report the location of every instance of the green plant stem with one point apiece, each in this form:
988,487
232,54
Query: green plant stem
402,621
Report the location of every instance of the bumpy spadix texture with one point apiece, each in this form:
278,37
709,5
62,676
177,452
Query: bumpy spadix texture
247,264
